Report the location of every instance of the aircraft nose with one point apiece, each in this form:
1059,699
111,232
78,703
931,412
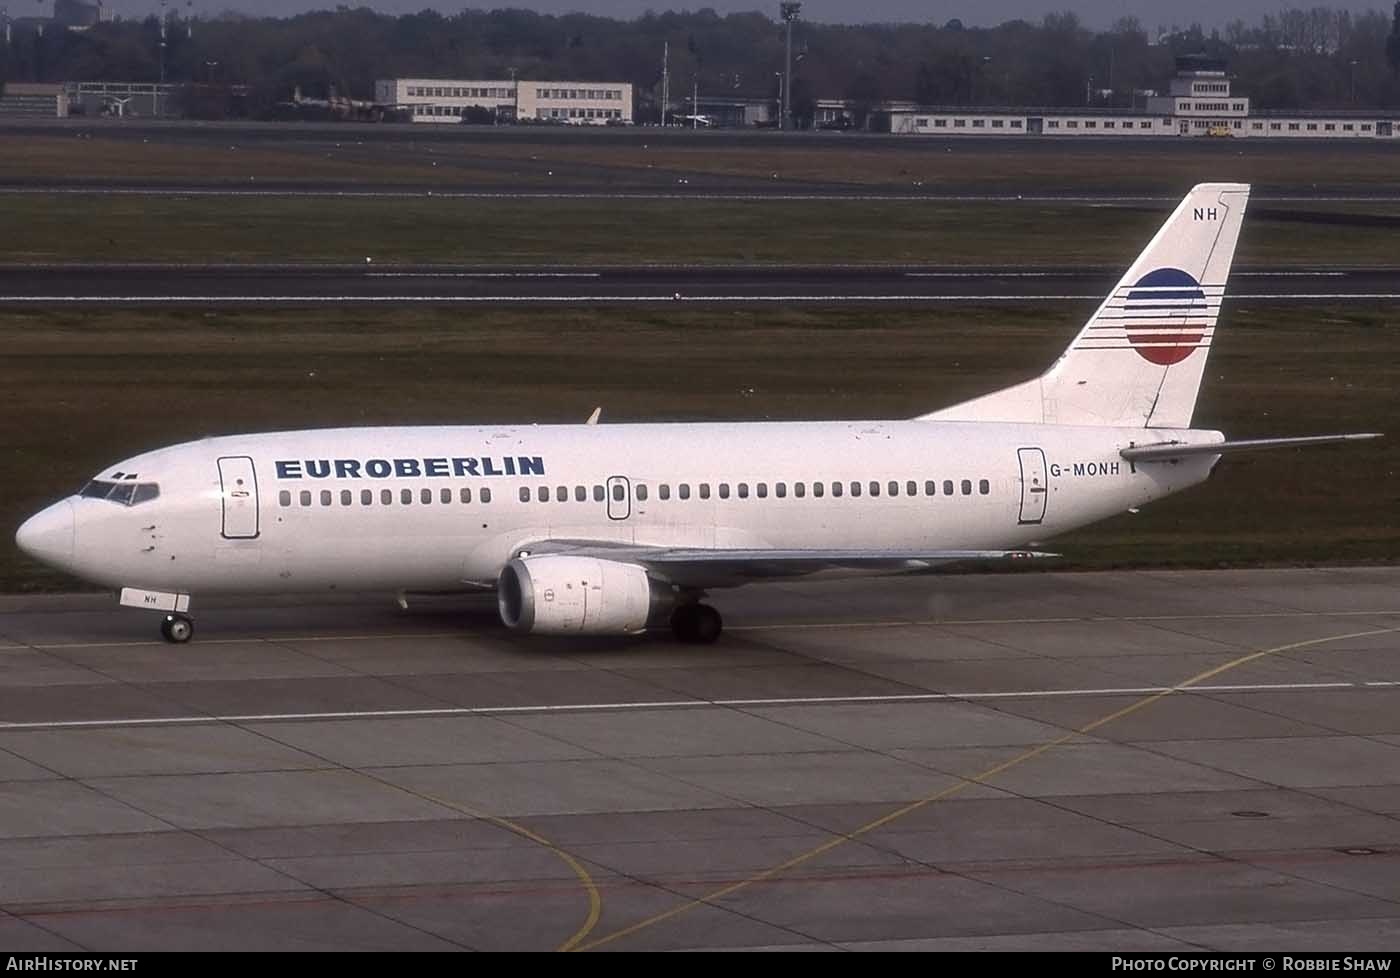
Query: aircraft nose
48,535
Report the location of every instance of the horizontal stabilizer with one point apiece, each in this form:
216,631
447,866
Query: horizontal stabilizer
1170,449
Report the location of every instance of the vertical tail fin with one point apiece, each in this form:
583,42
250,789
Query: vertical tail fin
1139,360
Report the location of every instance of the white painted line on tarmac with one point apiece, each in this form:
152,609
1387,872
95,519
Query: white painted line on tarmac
566,299
776,626
667,705
483,275
556,299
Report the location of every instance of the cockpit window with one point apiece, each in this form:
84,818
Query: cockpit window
125,493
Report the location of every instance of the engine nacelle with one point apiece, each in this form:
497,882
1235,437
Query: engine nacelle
559,594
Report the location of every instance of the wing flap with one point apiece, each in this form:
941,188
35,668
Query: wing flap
704,567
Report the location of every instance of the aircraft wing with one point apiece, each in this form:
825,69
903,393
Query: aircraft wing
704,567
1161,451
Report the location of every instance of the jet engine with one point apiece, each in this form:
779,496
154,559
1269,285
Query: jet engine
560,594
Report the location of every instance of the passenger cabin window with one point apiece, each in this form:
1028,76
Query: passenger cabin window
406,497
684,490
761,490
835,490
580,494
664,491
425,496
818,489
524,494
704,490
947,487
724,490
561,493
346,497
284,498
743,490
855,488
366,497
641,492
799,489
386,496
967,487
325,497
780,490
911,488
930,488
542,494
894,488
618,493
445,495
598,494
984,487
874,488
465,495
486,495
305,497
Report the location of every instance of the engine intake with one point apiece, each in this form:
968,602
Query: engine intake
560,594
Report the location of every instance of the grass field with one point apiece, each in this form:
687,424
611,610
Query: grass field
567,159
86,388
53,228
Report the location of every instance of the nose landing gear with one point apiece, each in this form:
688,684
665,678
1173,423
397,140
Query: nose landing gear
177,628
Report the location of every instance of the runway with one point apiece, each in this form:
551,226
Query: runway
1102,761
294,284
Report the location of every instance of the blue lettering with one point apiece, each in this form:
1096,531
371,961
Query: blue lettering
464,466
435,466
318,468
406,468
1055,469
378,468
510,465
487,468
531,465
347,468
1078,468
288,470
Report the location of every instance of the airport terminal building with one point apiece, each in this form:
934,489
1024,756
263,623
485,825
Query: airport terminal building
1199,102
440,100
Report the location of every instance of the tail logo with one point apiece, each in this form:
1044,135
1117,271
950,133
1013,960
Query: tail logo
1166,315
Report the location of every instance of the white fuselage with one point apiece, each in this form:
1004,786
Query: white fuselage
406,509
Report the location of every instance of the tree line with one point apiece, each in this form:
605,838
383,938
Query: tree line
1318,58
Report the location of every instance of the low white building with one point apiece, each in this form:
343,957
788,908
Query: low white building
1198,103
448,100
444,100
576,102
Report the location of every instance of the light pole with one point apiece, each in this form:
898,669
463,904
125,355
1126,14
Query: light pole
779,75
1354,63
789,9
665,80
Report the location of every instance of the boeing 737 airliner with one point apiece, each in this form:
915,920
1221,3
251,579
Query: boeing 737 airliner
605,529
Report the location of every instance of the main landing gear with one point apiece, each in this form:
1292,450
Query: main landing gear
177,628
696,624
